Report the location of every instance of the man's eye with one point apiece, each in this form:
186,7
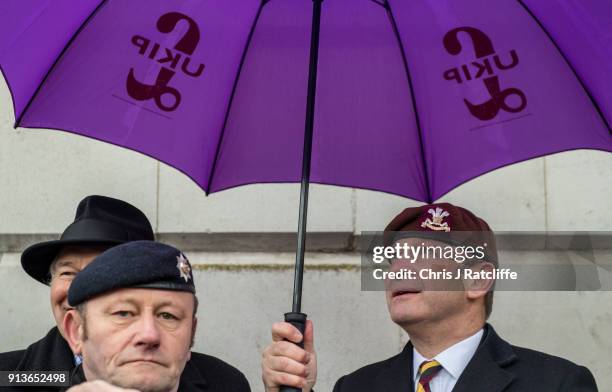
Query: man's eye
168,316
68,273
123,313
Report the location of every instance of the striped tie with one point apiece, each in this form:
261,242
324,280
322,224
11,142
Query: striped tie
427,370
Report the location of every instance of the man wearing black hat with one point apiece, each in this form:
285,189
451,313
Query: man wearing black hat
134,322
101,222
452,347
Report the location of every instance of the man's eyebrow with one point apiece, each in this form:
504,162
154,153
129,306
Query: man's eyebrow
63,263
166,303
127,300
134,301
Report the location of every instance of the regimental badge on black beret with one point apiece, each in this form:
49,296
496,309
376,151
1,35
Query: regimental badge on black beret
183,267
137,264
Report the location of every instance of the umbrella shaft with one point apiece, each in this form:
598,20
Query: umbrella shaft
309,123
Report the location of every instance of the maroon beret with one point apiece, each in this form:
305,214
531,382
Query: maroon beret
441,222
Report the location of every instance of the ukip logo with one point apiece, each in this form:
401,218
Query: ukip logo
487,64
170,58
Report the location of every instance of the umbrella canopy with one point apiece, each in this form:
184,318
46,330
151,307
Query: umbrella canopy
412,97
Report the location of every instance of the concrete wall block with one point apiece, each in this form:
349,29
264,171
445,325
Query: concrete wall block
183,207
25,304
509,199
44,174
579,191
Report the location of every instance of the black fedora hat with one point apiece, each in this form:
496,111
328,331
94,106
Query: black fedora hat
99,220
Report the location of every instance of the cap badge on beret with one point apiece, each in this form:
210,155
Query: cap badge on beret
436,222
183,266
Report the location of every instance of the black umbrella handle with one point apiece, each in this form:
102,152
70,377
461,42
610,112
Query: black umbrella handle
298,320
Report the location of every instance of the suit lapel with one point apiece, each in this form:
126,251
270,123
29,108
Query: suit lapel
483,374
397,376
485,370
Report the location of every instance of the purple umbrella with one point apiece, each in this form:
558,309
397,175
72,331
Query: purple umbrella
407,97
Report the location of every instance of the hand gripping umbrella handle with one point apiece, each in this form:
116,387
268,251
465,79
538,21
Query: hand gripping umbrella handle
298,320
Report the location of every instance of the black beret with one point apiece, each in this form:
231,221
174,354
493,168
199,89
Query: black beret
138,264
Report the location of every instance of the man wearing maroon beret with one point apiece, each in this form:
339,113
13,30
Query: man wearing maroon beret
451,347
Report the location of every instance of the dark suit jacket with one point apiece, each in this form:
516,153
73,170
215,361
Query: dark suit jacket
201,373
496,366
49,353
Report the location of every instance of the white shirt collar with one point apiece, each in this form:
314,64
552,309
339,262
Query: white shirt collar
454,359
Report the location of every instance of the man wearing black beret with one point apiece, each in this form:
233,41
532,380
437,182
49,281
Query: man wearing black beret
100,223
452,347
134,321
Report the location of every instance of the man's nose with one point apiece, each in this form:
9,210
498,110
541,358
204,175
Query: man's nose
148,333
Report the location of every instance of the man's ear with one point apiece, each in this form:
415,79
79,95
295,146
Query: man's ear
73,329
477,288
